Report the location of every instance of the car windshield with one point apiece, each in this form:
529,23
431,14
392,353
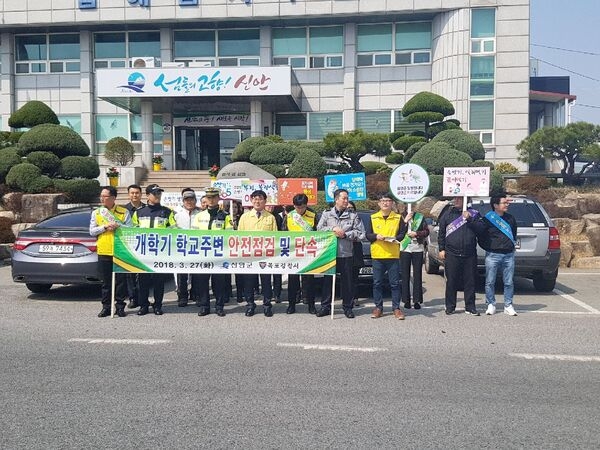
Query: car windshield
526,214
79,219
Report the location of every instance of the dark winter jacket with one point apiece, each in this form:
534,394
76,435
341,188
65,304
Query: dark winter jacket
463,241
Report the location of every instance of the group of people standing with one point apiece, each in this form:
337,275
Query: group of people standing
396,239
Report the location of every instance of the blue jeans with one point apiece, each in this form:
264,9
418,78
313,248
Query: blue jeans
392,267
506,263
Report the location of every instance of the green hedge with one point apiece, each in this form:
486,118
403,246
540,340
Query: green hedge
79,190
9,157
48,162
434,156
408,154
404,142
436,184
395,135
372,167
428,101
483,163
280,153
506,168
41,184
79,167
22,175
31,114
307,164
119,151
496,183
245,148
277,170
462,141
315,146
62,141
395,158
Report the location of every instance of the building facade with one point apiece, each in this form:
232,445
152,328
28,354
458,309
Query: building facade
189,79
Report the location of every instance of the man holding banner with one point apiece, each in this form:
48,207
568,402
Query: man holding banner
458,249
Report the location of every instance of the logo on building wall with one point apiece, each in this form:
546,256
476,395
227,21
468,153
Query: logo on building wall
136,82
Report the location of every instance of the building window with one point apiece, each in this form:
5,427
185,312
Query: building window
321,124
136,127
197,47
108,127
483,30
71,121
326,47
481,116
239,47
289,47
118,50
43,53
374,45
374,121
482,76
413,43
291,127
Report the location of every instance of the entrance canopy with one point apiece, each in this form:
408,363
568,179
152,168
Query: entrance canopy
179,90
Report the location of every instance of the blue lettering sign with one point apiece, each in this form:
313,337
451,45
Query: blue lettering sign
87,4
188,2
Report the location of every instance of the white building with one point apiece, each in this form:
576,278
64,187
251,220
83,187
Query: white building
190,78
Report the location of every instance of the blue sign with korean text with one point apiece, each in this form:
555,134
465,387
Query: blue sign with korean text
354,183
87,4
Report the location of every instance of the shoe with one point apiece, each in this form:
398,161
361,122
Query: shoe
220,313
407,305
182,303
143,311
398,314
349,314
323,312
121,312
158,312
356,304
268,311
240,300
104,313
491,309
249,312
376,313
417,305
290,309
449,311
472,312
312,309
510,310
132,304
277,300
204,312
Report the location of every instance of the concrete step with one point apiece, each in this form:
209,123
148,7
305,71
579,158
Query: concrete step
171,181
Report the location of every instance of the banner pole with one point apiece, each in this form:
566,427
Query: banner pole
333,295
112,297
409,208
464,203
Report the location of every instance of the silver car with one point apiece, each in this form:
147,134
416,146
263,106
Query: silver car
538,243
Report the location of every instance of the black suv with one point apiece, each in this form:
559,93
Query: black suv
538,243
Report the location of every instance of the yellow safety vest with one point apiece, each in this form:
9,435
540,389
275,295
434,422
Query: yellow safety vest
387,227
105,240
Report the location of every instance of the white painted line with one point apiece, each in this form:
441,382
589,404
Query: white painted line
122,341
576,358
577,302
576,313
338,348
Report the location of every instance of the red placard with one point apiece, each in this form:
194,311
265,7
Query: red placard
288,187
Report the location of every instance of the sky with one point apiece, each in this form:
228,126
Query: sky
574,26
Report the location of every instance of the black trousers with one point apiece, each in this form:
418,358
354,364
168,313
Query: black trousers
132,286
308,288
105,266
156,281
416,260
460,273
250,285
182,287
344,269
220,283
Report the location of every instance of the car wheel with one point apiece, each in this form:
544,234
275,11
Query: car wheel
38,288
544,284
431,267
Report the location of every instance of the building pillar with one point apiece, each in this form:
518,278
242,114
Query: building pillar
256,118
147,134
86,86
349,122
7,79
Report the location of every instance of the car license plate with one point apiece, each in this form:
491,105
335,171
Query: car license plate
366,271
55,248
518,243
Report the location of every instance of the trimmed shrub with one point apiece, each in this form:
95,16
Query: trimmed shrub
245,148
21,175
79,190
31,114
533,183
62,141
41,184
425,116
436,184
79,167
48,162
318,147
372,167
280,153
436,128
506,168
412,150
119,151
434,156
6,234
496,183
395,135
428,101
275,138
307,164
463,142
377,184
9,157
482,163
394,158
10,138
404,142
277,170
